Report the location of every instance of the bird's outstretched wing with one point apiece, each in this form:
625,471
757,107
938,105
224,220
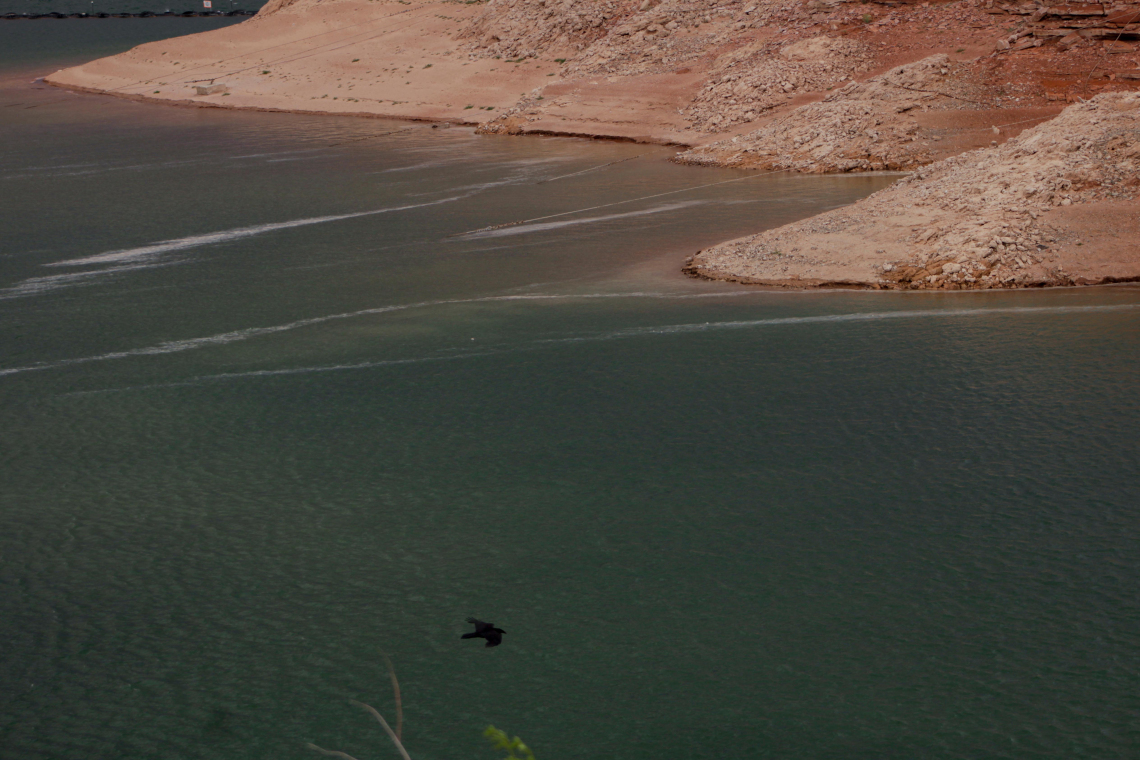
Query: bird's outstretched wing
494,638
480,626
469,636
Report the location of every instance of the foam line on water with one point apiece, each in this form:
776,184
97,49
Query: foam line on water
57,167
636,332
101,168
496,183
538,161
542,226
421,165
875,316
177,346
170,347
34,286
189,344
80,170
274,153
289,371
224,236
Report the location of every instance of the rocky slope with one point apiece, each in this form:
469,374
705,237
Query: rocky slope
671,71
528,28
749,65
992,218
869,125
756,79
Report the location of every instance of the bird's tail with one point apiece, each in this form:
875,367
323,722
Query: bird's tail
469,636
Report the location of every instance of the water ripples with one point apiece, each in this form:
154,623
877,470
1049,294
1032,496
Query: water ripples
621,334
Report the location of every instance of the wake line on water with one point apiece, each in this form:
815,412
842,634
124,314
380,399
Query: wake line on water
176,346
826,318
36,173
237,335
291,371
451,160
60,170
223,236
620,334
35,285
525,228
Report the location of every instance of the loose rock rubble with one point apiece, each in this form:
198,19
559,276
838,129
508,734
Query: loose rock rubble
756,57
660,37
617,37
974,221
755,79
525,28
664,37
864,126
273,6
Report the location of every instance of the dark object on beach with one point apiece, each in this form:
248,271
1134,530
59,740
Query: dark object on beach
488,631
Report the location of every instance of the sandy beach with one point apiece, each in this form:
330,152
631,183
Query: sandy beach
384,59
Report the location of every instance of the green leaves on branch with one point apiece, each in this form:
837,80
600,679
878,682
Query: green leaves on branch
514,748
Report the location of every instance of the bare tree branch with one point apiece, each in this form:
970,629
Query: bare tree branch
391,734
399,703
330,752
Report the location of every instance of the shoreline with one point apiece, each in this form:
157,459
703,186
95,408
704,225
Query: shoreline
1058,205
187,103
190,103
761,87
699,273
387,59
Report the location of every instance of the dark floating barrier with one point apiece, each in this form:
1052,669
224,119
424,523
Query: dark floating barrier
143,14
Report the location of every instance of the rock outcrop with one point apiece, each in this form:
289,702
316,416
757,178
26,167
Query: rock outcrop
528,28
864,126
1068,23
756,79
980,220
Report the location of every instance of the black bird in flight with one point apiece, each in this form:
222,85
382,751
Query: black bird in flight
488,631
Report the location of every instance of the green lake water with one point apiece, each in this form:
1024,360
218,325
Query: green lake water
266,413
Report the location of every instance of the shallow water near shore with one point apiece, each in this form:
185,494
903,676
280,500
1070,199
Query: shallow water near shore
268,410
